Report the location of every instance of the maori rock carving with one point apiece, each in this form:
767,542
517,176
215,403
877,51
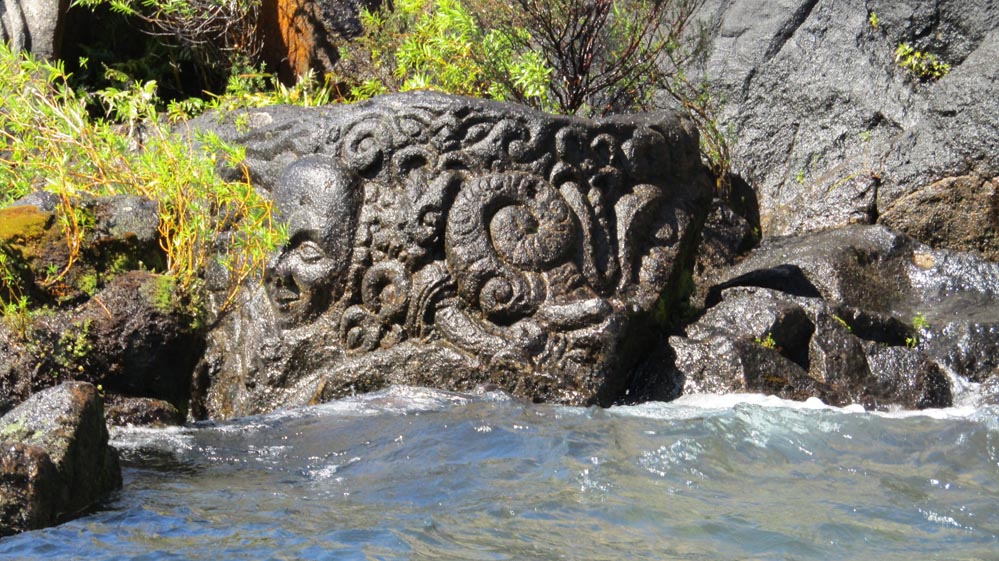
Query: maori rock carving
317,202
453,242
504,230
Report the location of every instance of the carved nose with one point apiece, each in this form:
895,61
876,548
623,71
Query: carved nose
277,272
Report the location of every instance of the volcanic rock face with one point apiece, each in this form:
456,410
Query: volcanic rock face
33,25
450,242
829,130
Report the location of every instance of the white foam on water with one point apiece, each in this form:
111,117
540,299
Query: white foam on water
699,405
396,399
137,438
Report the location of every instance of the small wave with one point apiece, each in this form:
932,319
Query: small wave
700,405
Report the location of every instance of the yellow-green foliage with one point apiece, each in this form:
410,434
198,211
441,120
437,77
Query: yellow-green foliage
437,44
767,342
924,66
49,141
252,87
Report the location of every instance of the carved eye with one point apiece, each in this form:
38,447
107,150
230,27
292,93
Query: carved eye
310,252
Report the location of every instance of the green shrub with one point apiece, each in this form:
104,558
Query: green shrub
48,141
606,56
565,56
437,44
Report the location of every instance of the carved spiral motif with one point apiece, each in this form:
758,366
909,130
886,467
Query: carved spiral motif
360,330
364,145
502,231
385,290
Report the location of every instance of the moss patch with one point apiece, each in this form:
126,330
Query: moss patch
21,227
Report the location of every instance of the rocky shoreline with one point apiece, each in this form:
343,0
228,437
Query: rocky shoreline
854,260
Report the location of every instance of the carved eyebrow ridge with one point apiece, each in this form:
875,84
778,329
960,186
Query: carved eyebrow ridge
309,235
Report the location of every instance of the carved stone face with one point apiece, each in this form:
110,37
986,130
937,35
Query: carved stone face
316,200
301,281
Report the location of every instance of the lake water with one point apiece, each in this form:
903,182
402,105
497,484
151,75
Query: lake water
418,474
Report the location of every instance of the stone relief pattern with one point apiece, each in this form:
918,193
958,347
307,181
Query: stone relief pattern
511,239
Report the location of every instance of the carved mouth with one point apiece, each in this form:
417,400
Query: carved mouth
285,299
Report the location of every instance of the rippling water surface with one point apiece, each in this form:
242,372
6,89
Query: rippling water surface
417,474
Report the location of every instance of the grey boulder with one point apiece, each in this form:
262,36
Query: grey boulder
55,461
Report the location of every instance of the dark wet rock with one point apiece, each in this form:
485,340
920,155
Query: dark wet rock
955,283
141,411
883,328
29,488
452,242
956,298
837,358
910,377
726,236
861,266
132,338
759,315
873,290
971,349
56,462
755,340
789,279
724,365
825,351
830,131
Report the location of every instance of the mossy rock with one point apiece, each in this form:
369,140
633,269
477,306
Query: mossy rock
21,227
33,245
135,338
120,234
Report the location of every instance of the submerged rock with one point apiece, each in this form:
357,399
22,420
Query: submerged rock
452,242
55,461
141,411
